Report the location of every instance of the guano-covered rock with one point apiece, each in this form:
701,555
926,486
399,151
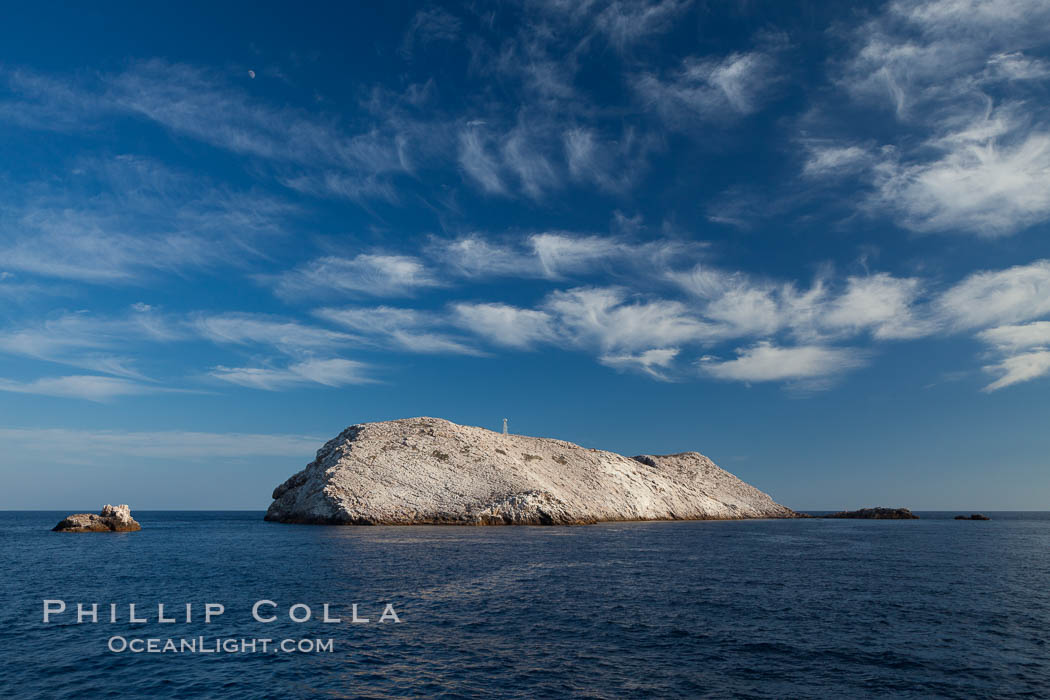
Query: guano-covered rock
432,471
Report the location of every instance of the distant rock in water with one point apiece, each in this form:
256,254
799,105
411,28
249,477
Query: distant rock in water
431,471
975,516
111,519
875,514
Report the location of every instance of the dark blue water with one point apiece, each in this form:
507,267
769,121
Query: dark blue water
807,608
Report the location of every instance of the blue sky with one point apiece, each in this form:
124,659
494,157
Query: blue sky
808,240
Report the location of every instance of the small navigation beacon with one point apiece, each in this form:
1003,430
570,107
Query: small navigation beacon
504,426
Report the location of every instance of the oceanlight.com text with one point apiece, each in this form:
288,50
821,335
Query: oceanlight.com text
218,645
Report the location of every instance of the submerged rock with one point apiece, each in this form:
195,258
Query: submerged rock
432,471
875,514
111,519
975,516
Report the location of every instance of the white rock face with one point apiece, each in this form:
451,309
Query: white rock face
121,513
111,519
431,471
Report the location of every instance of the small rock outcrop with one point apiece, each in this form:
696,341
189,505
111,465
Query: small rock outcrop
975,516
432,471
875,514
111,519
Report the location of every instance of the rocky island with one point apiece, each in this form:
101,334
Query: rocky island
111,519
874,514
430,471
975,516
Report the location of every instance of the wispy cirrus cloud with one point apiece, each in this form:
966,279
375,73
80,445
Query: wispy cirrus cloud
1023,353
594,158
98,445
621,23
308,151
717,89
878,303
655,362
556,254
1018,368
1000,302
147,219
114,345
765,362
409,330
287,336
994,297
479,161
428,26
92,342
826,158
367,274
627,331
612,320
917,53
332,372
625,22
195,102
89,387
992,178
505,325
959,78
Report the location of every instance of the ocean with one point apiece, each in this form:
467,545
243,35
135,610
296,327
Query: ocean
753,609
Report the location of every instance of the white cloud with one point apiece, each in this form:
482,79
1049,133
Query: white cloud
734,300
1018,337
365,274
206,106
357,187
428,26
1025,351
405,329
93,445
652,362
626,22
475,256
478,163
919,52
88,341
289,337
975,157
331,372
990,298
1016,66
191,101
36,101
766,362
608,319
146,219
992,179
1019,368
88,387
711,89
503,324
621,22
557,254
613,164
532,168
879,302
826,159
